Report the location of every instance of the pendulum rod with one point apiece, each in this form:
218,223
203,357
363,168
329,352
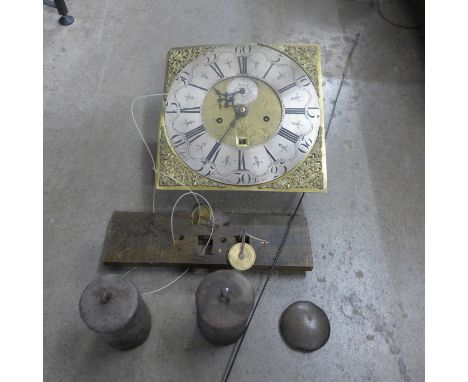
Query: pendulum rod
272,268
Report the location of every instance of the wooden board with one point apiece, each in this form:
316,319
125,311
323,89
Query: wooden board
141,238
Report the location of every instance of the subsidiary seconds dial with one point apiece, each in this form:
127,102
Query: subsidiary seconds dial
242,115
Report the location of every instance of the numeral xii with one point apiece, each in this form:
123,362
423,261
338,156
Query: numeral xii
242,61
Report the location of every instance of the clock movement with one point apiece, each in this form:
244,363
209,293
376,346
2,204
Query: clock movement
243,117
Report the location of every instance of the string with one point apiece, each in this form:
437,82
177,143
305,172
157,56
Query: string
195,194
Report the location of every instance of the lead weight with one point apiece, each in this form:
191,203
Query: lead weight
224,301
112,307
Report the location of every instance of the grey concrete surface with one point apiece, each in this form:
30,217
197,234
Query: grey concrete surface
367,232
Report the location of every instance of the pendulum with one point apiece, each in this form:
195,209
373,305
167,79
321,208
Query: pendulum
304,326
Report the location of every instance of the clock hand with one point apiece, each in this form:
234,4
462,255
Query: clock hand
241,111
227,98
230,127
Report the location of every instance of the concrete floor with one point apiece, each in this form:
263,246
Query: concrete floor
367,232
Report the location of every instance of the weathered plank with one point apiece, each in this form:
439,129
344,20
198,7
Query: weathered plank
141,238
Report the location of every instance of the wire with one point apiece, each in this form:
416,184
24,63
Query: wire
377,6
195,194
212,218
149,151
167,285
131,269
272,268
263,241
136,124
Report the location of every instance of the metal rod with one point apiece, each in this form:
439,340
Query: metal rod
49,3
61,7
241,254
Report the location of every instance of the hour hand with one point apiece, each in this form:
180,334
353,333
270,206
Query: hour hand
224,99
227,99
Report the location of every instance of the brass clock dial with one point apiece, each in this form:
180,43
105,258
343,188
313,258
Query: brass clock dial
242,115
262,116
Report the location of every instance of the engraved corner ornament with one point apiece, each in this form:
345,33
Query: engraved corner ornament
243,117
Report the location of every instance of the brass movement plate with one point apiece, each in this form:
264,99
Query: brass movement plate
309,176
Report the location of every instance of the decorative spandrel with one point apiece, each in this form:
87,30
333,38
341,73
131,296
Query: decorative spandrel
309,175
178,58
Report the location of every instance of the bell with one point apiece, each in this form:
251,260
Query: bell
224,301
112,307
304,326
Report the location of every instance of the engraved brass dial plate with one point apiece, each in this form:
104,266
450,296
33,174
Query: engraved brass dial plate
244,117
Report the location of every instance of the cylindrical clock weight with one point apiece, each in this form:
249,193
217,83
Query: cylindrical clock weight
112,307
224,301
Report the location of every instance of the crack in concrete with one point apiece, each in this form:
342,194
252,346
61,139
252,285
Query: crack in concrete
345,71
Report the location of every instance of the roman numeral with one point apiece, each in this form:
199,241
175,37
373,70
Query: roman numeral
194,134
287,87
268,70
242,60
190,110
213,152
312,113
240,160
289,135
217,70
198,87
294,110
177,140
270,154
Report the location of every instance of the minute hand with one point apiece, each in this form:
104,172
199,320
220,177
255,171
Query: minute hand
230,127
